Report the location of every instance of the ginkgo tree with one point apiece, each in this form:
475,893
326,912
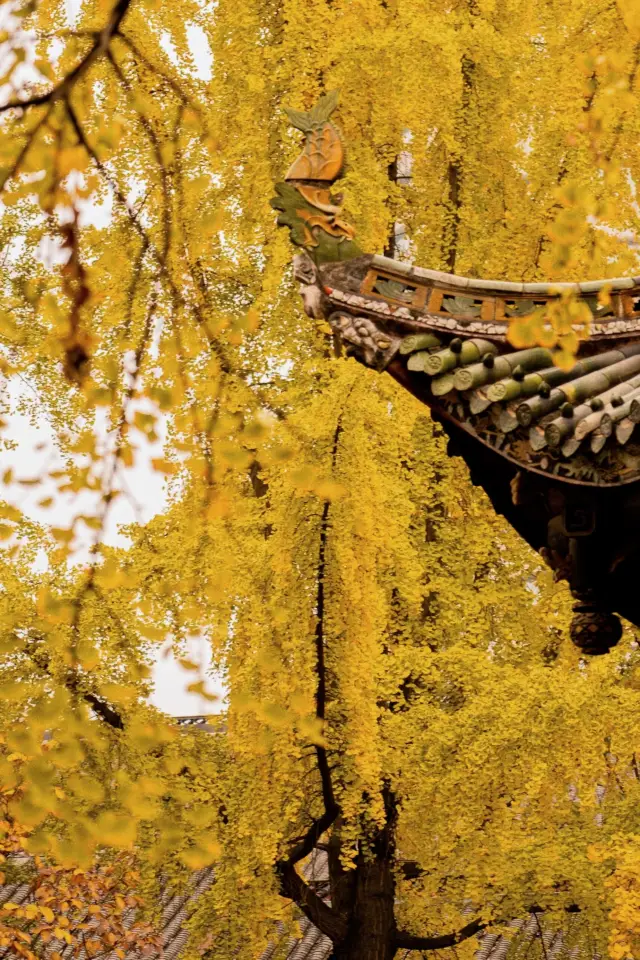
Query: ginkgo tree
399,690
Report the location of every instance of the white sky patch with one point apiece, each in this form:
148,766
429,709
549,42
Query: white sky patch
200,51
50,251
35,453
628,237
72,11
55,49
167,44
171,681
95,214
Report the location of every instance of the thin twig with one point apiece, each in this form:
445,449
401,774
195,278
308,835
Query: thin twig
31,136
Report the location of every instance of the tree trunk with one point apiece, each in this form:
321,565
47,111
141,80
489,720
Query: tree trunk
372,928
372,925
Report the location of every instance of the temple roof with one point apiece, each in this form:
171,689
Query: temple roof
496,287
556,450
466,346
445,338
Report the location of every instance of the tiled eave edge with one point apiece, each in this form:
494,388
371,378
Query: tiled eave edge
409,318
412,320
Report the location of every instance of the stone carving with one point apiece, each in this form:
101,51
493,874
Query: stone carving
363,339
313,298
304,200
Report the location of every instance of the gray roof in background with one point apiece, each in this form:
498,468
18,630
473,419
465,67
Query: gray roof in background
175,910
313,945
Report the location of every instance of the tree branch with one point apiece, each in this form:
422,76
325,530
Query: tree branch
321,690
31,136
455,174
542,944
155,145
214,344
406,941
102,709
156,70
99,706
119,195
309,841
328,921
61,90
292,886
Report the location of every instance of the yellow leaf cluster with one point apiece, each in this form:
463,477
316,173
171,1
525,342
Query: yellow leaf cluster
148,317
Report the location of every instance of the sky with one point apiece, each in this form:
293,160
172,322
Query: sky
35,452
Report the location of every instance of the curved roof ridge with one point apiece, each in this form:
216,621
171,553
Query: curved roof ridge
503,286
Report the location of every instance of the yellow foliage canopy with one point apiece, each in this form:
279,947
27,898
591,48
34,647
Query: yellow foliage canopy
381,634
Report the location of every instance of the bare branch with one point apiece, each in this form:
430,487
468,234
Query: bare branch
37,652
214,344
406,941
321,690
120,197
102,709
328,921
542,943
331,922
309,841
155,144
321,753
157,71
31,135
62,90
